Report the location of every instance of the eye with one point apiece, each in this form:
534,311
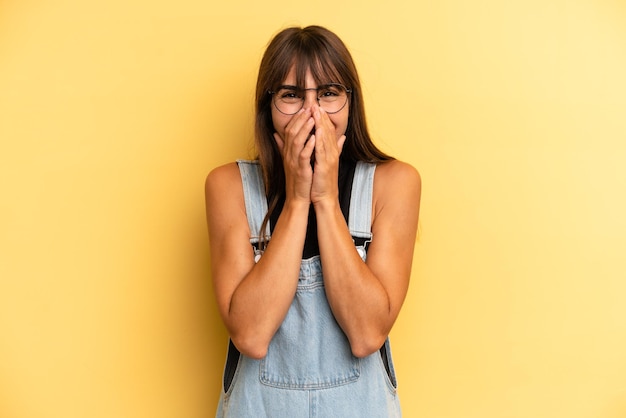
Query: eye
329,92
287,94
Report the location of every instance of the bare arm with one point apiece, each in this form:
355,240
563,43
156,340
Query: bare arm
253,299
366,297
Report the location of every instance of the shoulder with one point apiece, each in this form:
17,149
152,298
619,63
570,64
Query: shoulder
395,173
223,184
223,176
396,184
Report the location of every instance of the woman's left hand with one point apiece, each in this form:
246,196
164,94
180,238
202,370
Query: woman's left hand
328,148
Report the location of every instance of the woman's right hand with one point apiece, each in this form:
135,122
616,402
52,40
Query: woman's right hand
296,148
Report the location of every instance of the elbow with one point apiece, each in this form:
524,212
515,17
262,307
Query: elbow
250,347
255,353
366,347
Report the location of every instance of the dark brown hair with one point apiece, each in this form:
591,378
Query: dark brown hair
319,50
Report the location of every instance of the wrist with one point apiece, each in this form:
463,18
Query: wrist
297,205
328,204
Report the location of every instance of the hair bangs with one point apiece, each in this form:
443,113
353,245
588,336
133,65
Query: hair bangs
312,55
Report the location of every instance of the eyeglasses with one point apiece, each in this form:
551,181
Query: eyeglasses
290,99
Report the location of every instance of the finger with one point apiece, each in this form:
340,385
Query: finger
300,123
322,115
340,142
309,147
320,145
318,115
323,122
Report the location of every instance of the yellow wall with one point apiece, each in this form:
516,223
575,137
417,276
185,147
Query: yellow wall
112,112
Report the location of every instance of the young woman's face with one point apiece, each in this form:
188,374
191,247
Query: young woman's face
280,119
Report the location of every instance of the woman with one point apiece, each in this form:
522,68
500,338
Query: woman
311,245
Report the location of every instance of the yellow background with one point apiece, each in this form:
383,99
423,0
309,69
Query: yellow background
112,113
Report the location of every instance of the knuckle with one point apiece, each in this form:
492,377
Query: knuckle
292,131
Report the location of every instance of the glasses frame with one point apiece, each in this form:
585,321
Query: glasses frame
316,89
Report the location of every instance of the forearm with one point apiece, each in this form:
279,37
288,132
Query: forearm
356,296
260,302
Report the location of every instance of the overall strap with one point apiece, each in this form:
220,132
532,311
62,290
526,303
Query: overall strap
254,197
360,215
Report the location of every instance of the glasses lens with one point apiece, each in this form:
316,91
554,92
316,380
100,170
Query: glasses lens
289,100
332,97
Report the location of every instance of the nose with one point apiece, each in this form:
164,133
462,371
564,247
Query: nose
310,98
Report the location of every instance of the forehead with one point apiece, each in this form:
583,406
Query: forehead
310,74
292,78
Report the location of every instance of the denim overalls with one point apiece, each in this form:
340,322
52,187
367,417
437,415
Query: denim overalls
309,369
